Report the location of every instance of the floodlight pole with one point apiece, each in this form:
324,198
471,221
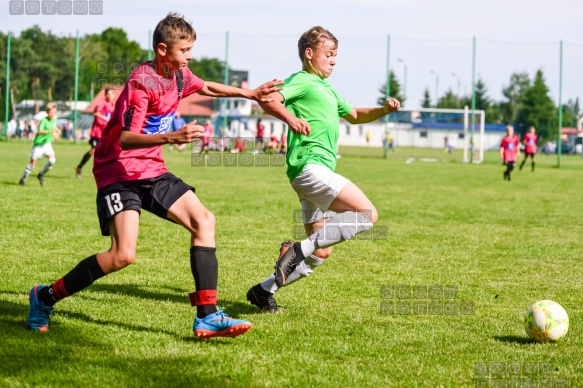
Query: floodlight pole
75,96
473,121
559,140
150,49
6,106
387,94
226,82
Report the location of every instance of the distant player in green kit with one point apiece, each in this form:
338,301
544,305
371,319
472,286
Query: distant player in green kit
42,145
333,208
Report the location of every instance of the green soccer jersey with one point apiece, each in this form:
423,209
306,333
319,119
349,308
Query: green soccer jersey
313,99
45,125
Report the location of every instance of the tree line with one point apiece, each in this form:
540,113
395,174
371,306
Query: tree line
526,102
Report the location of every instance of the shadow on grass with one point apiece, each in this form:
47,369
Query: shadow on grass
514,339
138,292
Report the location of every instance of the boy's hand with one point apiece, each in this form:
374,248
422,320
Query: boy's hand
391,105
299,126
261,93
188,133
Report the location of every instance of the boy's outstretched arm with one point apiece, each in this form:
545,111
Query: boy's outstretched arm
260,94
275,108
188,133
366,115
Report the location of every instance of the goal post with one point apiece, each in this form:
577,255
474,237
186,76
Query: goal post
434,134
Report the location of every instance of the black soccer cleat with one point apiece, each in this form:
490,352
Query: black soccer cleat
289,257
41,179
21,182
78,172
262,299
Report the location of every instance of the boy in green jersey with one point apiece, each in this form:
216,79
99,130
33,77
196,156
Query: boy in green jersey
42,145
333,208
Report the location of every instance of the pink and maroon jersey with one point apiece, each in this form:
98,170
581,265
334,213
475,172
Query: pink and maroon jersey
105,108
147,106
530,143
510,144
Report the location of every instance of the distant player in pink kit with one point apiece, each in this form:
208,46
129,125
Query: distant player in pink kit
208,133
509,150
131,175
102,113
530,140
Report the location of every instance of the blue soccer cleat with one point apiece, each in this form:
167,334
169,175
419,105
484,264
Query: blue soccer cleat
219,324
38,313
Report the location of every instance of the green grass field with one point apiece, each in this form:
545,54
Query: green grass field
501,245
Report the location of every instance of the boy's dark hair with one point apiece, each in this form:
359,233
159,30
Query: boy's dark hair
313,38
106,89
171,29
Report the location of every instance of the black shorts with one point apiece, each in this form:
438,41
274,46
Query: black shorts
93,141
510,165
155,195
527,154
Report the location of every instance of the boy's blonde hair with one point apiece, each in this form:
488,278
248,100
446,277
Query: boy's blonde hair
314,37
171,29
51,106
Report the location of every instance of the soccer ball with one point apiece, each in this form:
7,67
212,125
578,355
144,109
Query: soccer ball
546,321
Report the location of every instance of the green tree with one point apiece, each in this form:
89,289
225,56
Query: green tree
514,94
209,69
426,102
538,109
449,101
395,90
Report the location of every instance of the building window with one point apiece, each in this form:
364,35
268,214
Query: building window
347,129
460,135
423,134
360,130
235,104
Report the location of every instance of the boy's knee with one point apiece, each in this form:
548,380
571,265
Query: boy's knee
122,259
52,160
323,253
206,220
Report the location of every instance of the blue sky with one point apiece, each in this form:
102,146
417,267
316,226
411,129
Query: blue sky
432,39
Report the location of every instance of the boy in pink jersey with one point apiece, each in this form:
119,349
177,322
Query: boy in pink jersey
509,150
131,175
530,140
102,113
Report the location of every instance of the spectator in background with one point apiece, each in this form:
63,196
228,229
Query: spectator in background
367,136
11,128
177,123
21,129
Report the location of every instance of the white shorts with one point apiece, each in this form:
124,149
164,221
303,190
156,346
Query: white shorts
42,150
317,187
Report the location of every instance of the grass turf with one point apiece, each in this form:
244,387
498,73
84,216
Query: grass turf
501,245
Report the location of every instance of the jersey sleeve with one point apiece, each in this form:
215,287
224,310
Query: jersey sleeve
344,108
136,107
192,83
295,87
42,126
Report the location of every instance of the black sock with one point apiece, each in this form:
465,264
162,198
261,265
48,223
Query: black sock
299,254
532,166
205,270
79,278
85,159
